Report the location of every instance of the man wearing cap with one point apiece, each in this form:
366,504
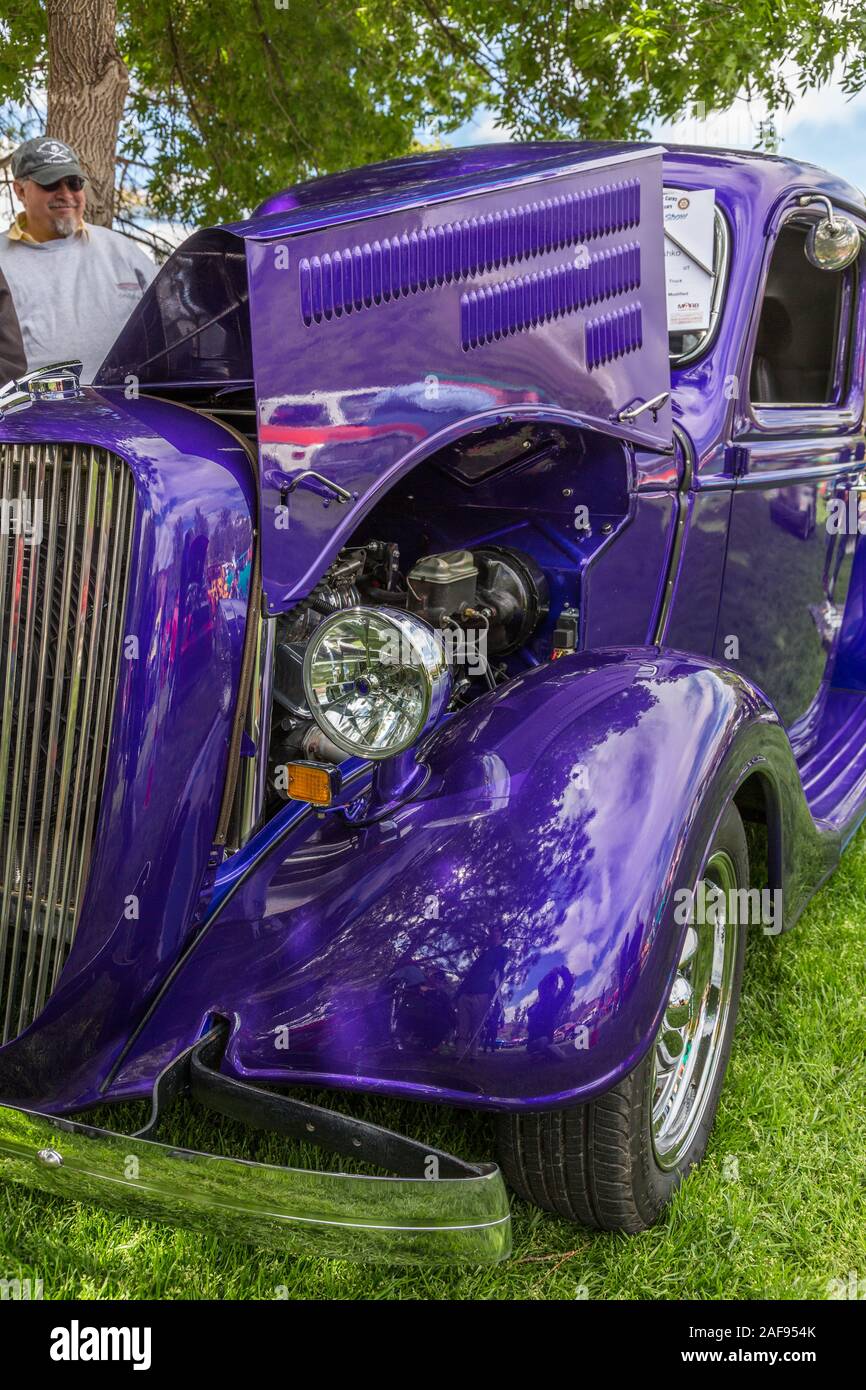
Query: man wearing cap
73,285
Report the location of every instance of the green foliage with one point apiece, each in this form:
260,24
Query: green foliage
233,99
22,65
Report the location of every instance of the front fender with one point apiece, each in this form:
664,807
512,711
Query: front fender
565,809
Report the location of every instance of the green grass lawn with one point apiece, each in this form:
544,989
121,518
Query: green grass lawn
777,1209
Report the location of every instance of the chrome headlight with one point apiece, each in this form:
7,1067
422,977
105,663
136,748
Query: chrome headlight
375,679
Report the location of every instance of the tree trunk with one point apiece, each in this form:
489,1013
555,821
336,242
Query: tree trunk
87,86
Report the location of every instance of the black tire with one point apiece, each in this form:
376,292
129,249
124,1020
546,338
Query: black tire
596,1164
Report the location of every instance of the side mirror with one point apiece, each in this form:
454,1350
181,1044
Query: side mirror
834,242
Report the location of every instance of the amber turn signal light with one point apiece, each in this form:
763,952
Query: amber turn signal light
317,783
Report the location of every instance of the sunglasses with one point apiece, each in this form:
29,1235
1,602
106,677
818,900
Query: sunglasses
75,184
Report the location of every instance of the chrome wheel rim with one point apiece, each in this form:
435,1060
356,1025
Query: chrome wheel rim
688,1046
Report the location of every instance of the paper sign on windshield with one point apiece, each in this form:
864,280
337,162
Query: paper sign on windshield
689,233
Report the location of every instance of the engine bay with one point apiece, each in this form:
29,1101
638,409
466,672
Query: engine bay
489,545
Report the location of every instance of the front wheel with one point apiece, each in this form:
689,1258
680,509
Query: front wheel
615,1162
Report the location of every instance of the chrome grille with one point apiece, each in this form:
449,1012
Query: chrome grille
62,598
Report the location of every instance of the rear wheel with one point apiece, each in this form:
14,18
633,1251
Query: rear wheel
615,1162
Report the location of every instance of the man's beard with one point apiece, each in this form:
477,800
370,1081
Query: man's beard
65,223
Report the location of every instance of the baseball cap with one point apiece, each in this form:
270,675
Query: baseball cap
45,161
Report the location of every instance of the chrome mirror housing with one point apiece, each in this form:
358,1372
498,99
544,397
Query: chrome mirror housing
834,242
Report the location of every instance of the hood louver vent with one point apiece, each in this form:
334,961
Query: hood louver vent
373,273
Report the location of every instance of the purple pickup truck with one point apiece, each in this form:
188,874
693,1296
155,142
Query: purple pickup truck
432,642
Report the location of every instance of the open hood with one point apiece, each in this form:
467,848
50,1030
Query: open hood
387,316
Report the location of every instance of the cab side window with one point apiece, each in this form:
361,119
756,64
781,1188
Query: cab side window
803,330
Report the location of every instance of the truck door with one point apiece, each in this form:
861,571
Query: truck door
797,449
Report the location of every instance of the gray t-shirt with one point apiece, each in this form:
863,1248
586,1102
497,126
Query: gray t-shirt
73,295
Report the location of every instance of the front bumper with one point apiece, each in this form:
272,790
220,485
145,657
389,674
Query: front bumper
424,1219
